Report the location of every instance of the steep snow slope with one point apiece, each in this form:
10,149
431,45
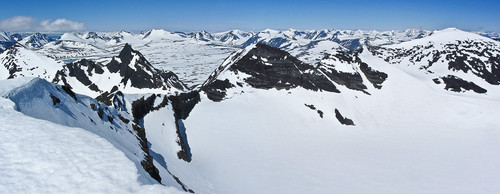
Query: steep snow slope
41,99
18,61
120,126
43,157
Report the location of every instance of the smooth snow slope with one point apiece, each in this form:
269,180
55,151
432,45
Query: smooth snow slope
42,157
404,141
411,136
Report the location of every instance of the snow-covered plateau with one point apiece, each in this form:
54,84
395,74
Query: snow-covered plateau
324,111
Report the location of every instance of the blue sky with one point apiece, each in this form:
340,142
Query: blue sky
217,15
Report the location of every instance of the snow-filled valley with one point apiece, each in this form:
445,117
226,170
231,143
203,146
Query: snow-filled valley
327,111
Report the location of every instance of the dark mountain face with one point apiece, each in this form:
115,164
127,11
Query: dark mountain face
5,45
16,37
76,69
37,40
133,70
140,72
271,67
352,80
456,84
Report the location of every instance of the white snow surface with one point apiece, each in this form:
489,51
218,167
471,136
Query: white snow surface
30,63
440,37
43,157
409,137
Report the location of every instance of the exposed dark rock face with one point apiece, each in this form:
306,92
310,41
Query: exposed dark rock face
457,84
76,69
109,97
134,70
184,187
352,80
119,102
374,76
140,108
141,73
100,112
311,106
216,90
123,119
342,119
271,67
476,66
143,106
55,100
70,92
320,113
182,105
105,98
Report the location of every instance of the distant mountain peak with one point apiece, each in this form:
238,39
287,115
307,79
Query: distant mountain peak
36,40
128,72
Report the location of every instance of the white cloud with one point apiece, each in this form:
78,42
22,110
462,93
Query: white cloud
23,23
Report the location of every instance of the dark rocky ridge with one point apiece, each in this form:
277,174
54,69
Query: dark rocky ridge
75,69
139,109
216,90
182,105
343,120
268,67
141,74
457,84
353,80
286,71
141,77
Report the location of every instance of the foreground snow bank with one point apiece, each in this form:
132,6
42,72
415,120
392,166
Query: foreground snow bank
42,157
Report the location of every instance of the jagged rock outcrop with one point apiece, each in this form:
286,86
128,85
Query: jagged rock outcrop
265,67
129,71
457,84
343,120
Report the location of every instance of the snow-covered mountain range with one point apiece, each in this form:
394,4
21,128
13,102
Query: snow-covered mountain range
325,111
192,55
